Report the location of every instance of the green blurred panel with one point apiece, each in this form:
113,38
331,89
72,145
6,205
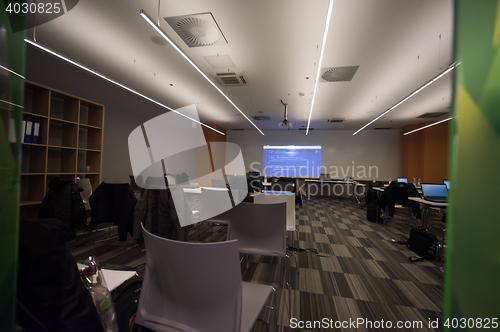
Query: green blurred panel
472,279
12,56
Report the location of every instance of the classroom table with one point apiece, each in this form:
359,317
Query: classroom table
425,205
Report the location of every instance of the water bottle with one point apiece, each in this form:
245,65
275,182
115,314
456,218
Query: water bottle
414,182
419,182
390,180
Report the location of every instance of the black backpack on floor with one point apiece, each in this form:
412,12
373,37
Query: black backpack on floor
371,212
126,300
423,244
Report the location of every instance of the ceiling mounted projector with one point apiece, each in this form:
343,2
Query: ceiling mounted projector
285,122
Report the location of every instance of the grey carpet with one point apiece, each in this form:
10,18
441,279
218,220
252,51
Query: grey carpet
350,269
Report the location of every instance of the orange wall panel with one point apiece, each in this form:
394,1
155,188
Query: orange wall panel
425,153
204,159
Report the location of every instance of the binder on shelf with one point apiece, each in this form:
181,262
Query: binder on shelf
36,133
28,134
12,131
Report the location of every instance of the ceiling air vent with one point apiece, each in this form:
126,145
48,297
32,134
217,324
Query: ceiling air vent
261,117
197,30
432,115
231,78
336,120
338,74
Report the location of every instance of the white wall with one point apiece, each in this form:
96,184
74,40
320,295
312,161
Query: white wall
380,148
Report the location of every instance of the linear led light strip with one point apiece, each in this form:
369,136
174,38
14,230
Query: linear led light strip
410,95
114,82
148,19
13,72
320,61
8,102
430,125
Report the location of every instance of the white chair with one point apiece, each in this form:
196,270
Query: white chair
289,199
260,230
197,287
87,191
213,201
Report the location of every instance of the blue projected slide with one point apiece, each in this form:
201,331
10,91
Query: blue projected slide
292,160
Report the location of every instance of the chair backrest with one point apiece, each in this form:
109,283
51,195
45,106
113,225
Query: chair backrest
87,189
190,286
219,183
214,201
259,226
289,199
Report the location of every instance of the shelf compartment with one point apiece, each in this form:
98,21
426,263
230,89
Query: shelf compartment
91,114
33,159
64,107
89,161
62,134
90,138
43,125
32,189
61,160
36,99
62,176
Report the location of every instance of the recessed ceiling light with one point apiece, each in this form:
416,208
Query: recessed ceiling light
260,112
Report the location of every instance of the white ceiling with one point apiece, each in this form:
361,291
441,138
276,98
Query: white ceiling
276,43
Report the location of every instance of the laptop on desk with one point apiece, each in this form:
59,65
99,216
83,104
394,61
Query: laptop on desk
435,192
403,180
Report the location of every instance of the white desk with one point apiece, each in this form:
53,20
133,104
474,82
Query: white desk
113,278
197,190
425,205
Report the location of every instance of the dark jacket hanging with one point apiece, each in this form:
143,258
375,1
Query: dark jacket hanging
157,211
63,202
398,193
113,203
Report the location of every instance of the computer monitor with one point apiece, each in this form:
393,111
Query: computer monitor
447,183
404,180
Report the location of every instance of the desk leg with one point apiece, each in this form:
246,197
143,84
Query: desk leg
424,216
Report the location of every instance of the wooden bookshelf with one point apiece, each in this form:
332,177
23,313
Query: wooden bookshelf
71,133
